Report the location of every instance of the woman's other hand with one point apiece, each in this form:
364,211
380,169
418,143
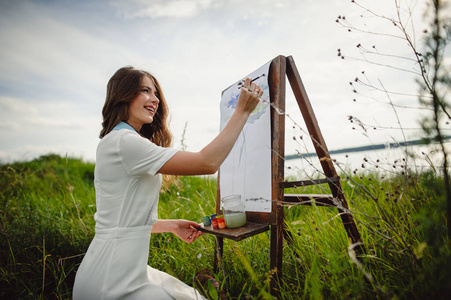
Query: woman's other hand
186,230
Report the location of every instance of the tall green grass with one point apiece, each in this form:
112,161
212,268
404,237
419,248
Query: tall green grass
46,219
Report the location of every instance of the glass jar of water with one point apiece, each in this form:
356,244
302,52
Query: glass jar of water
233,211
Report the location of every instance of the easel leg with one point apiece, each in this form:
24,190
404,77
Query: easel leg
276,258
219,243
321,148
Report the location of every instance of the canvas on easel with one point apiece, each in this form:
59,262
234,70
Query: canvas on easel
247,169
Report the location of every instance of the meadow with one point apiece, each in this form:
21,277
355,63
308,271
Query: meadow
46,225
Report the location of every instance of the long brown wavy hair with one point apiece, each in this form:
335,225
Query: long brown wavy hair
122,88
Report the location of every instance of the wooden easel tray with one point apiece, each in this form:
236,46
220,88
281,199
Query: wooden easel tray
237,234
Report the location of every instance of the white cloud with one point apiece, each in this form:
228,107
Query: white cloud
32,130
49,115
161,8
45,52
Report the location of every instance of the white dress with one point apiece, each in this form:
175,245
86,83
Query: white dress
127,189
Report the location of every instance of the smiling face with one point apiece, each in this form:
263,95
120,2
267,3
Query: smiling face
143,108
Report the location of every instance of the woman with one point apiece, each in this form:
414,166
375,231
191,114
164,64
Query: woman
131,156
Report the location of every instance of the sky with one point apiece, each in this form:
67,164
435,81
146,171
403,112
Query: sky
56,58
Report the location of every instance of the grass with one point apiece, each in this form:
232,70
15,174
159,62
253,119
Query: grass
46,225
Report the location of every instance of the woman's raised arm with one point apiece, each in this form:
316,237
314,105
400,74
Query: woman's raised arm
208,160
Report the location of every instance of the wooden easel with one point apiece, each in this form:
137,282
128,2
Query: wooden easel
259,222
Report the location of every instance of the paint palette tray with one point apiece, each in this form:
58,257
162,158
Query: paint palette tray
237,234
